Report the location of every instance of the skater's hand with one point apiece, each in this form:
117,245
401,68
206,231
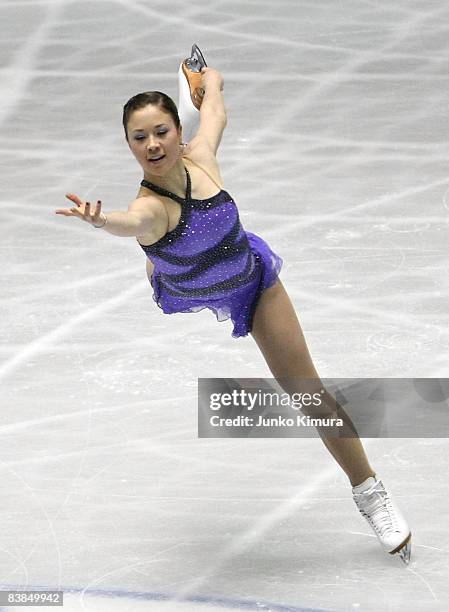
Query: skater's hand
212,78
82,210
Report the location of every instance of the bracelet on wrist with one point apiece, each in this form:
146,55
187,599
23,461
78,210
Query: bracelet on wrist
103,224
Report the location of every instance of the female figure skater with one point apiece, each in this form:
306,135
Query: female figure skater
199,256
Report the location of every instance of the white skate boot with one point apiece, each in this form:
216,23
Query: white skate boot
384,517
191,92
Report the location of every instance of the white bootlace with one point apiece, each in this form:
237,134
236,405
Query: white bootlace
375,505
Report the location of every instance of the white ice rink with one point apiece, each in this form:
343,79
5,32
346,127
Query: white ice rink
337,154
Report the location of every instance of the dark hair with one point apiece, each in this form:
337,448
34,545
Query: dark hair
164,102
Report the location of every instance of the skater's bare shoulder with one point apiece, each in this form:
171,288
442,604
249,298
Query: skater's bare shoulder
203,156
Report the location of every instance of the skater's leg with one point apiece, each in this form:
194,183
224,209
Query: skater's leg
277,332
149,269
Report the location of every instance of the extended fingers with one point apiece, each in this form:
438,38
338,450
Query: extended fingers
92,216
82,210
74,198
65,211
97,206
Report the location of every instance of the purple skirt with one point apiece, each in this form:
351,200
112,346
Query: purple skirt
239,304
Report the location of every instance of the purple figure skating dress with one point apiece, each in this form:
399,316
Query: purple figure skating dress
209,261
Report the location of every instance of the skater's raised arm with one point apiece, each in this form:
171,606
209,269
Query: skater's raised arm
213,117
213,99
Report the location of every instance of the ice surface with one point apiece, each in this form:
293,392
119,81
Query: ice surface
336,152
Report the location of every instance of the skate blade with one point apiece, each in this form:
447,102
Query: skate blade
196,61
200,57
404,551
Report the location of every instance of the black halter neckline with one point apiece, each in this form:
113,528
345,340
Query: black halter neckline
169,194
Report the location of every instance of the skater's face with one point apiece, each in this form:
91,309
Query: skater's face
152,133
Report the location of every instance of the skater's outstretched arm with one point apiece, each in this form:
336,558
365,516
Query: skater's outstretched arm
146,216
213,117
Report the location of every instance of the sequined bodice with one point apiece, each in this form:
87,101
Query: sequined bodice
207,252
